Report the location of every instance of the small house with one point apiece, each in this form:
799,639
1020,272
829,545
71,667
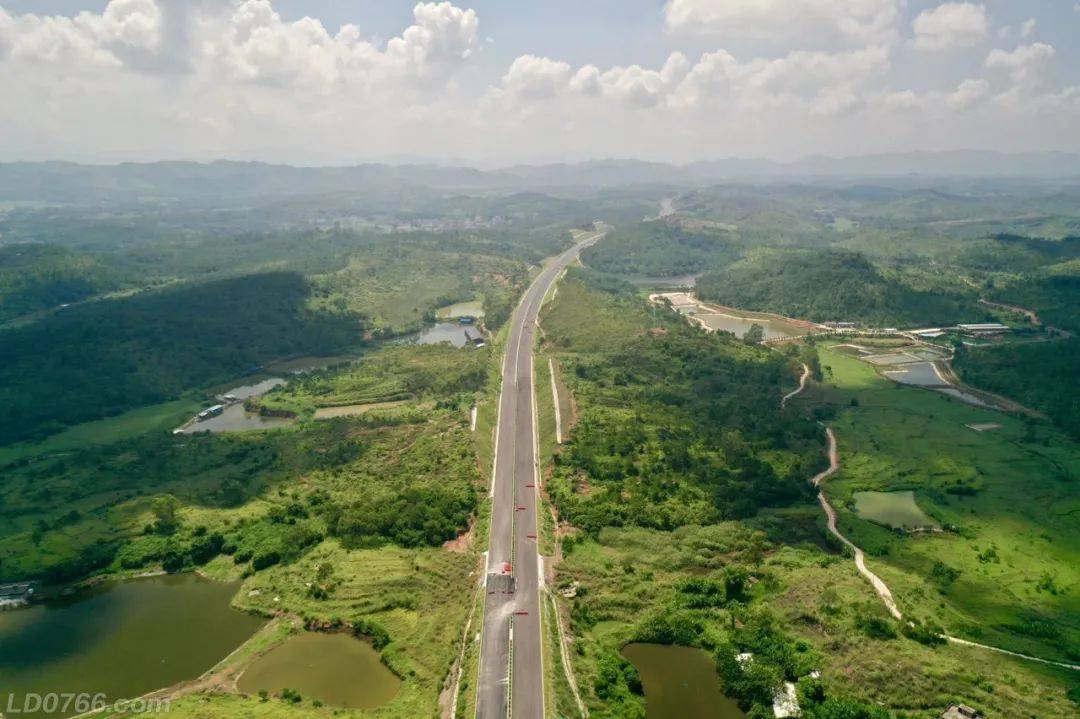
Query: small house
210,412
473,338
961,711
983,329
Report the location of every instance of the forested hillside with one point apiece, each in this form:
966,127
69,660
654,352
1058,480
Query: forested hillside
1054,294
831,285
102,358
1041,375
668,488
661,249
676,424
37,277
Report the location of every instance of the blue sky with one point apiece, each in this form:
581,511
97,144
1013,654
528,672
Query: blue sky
501,81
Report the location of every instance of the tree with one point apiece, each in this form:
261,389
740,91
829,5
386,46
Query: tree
755,335
165,513
735,581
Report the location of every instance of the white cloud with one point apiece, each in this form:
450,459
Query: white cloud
1022,63
860,20
539,78
822,82
1027,28
85,39
256,45
950,26
146,79
535,77
969,93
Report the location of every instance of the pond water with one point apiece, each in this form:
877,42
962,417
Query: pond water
889,359
121,639
680,683
451,332
337,669
235,418
966,397
922,374
255,390
893,509
739,326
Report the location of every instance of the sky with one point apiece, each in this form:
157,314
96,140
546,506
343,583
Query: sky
499,82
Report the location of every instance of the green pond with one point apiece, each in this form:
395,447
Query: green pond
680,683
739,326
893,509
120,639
337,669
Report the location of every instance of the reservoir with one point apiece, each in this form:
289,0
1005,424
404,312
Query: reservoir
739,326
451,332
235,418
337,669
120,639
680,683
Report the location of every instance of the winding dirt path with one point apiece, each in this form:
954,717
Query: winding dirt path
797,390
879,585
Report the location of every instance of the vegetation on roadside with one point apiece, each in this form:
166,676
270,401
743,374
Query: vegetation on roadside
406,477
740,575
677,426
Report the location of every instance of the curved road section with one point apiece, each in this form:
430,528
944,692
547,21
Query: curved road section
511,677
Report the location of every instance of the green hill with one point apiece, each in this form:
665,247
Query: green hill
660,249
1054,294
830,285
36,277
103,358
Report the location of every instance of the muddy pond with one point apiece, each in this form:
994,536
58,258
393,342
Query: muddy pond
680,683
119,639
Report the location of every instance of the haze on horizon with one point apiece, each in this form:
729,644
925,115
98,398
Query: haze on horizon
495,82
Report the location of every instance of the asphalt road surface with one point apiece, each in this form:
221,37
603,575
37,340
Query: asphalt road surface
511,680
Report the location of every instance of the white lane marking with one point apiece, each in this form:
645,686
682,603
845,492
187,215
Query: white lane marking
555,399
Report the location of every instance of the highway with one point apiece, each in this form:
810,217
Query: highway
511,674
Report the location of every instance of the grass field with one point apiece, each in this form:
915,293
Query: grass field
1008,555
158,417
469,308
397,288
318,478
815,594
1007,570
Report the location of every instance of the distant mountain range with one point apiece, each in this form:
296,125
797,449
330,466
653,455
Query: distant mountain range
228,180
